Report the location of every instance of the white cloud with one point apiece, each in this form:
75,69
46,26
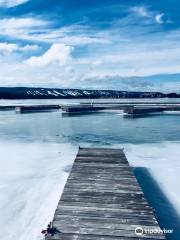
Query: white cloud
12,47
170,87
159,18
147,54
57,53
20,23
20,28
98,62
29,48
74,35
11,3
7,48
128,83
141,11
135,59
75,40
35,29
115,82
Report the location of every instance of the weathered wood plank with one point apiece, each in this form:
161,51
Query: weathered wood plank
99,200
95,159
104,181
127,220
103,231
74,236
101,188
101,150
104,155
105,227
103,200
108,214
100,205
126,178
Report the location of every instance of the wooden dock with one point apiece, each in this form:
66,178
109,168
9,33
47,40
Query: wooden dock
133,103
143,110
132,110
7,108
128,108
79,108
102,200
36,108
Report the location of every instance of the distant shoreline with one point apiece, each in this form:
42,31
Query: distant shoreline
57,93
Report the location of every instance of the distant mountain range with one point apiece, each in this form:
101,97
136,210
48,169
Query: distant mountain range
52,93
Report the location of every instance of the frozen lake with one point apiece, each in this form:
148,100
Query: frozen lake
37,149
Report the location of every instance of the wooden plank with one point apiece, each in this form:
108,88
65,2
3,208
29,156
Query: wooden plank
74,236
108,182
101,190
105,227
103,231
103,200
100,205
127,220
95,159
108,200
101,185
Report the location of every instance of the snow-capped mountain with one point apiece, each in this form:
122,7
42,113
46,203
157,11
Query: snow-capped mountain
48,93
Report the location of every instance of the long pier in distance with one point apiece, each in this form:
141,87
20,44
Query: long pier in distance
129,108
102,200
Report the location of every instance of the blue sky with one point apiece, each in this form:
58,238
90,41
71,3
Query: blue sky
113,44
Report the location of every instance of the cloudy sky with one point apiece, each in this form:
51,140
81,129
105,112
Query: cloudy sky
109,44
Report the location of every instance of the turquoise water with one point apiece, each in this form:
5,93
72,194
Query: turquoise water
104,128
38,148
